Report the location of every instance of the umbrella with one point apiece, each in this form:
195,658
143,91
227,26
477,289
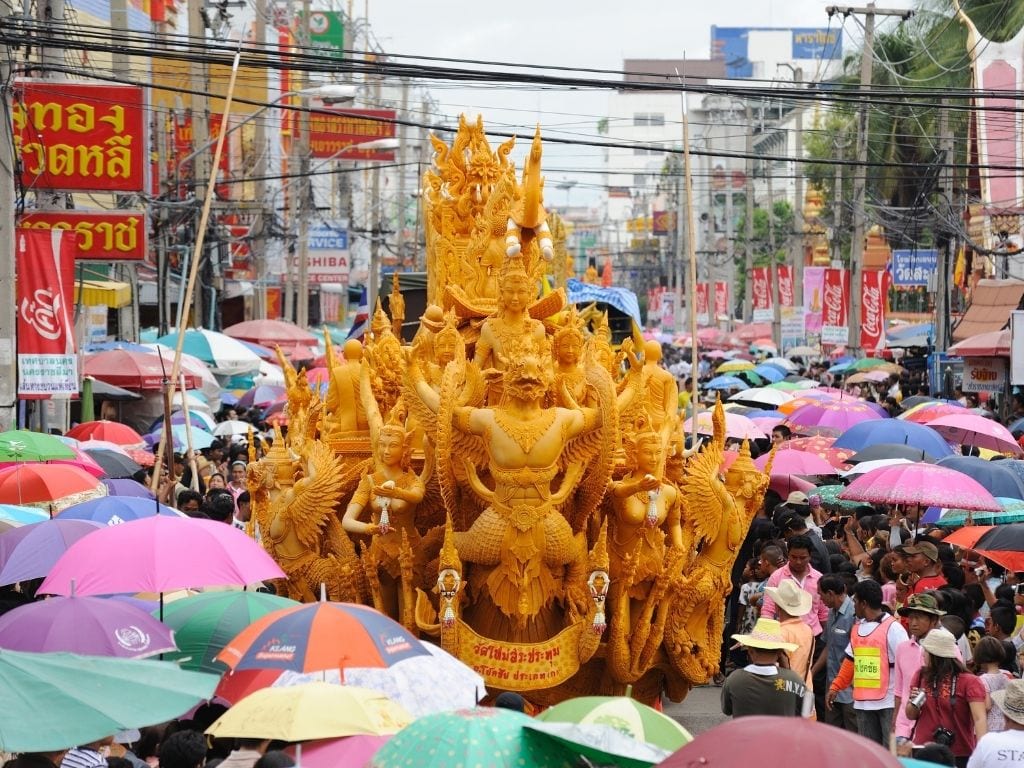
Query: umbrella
261,396
830,498
913,401
880,451
114,464
867,466
23,445
726,382
925,412
968,536
600,744
822,445
990,344
1004,544
763,741
860,436
992,475
122,487
225,356
736,426
13,516
751,378
770,373
46,483
977,431
832,414
232,428
92,626
133,370
926,485
195,418
31,551
318,377
868,377
203,624
793,462
110,431
310,711
1012,512
809,397
638,720
200,438
761,396
492,737
734,366
803,351
332,753
873,364
160,554
55,700
114,510
270,332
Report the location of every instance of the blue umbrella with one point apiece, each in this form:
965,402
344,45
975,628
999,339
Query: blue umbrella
104,346
770,373
763,414
112,510
200,438
1016,426
726,382
12,516
196,418
996,479
860,436
228,398
259,349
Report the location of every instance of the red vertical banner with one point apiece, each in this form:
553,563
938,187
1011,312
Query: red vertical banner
787,296
874,294
47,358
274,301
762,294
703,312
721,299
835,309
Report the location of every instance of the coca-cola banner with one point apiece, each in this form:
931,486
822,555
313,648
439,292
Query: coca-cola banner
835,309
787,296
45,266
702,304
874,292
721,299
814,287
762,293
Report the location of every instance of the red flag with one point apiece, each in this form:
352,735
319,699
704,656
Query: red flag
874,294
702,303
787,297
721,299
835,310
47,359
762,294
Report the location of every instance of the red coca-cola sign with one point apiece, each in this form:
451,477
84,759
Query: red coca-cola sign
702,301
835,309
721,299
873,296
761,293
786,292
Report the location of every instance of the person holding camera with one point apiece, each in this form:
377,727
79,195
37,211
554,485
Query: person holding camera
946,703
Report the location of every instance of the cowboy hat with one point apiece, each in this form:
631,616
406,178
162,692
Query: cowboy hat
789,597
767,636
1011,700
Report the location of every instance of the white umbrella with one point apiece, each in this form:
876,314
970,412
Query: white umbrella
867,466
232,427
269,374
803,351
209,385
781,362
762,396
736,426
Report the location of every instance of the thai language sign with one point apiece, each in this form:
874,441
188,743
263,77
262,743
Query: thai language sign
337,133
102,235
984,374
913,268
522,666
80,136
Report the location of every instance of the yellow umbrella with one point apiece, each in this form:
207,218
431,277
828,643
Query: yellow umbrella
732,366
311,711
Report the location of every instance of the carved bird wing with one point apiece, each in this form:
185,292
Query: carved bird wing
455,445
316,495
705,497
594,449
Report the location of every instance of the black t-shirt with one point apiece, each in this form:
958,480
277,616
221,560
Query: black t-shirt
749,693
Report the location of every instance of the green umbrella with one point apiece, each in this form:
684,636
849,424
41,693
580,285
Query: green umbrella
25,445
866,364
203,624
641,722
52,701
787,386
485,736
600,744
1012,512
830,498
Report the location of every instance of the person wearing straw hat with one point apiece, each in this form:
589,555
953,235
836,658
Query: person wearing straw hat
792,604
765,686
1002,749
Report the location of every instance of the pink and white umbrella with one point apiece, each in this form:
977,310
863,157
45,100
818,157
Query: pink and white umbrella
794,462
834,415
736,426
926,485
977,431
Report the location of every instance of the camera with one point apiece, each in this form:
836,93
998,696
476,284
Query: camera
979,572
1019,589
943,736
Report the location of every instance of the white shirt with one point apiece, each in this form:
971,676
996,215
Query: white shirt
897,634
1000,749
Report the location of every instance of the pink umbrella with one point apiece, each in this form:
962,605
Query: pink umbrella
786,484
736,426
970,429
767,423
834,415
929,411
926,485
794,462
160,554
331,753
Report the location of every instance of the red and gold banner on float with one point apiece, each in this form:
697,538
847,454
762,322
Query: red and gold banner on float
522,666
337,133
45,266
835,307
761,290
874,293
787,294
721,300
102,235
80,136
703,303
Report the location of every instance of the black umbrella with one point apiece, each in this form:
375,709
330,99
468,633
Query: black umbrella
115,464
890,451
998,480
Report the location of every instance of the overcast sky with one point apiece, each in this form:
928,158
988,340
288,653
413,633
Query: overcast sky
573,33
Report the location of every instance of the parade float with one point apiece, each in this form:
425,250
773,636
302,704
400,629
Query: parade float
510,485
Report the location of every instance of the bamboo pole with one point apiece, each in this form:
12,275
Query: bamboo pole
691,250
198,252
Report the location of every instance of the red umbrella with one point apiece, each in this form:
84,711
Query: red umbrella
968,536
270,332
991,344
929,411
133,370
111,431
752,331
34,483
318,376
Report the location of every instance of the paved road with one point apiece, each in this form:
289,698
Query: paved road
700,710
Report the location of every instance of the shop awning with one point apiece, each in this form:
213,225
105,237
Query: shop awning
103,293
992,301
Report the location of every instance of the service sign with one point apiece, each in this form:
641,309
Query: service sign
102,235
984,374
337,133
328,255
80,136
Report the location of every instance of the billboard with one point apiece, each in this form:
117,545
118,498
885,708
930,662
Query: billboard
914,267
328,260
102,235
336,133
732,44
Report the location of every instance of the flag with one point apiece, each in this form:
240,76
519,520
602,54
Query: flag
361,323
761,278
874,295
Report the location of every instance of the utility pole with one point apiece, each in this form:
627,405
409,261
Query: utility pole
860,171
748,288
796,238
677,263
259,143
402,149
374,211
305,189
8,296
200,108
945,255
837,205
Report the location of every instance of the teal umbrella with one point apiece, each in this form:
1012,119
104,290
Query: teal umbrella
1013,512
25,445
830,498
52,701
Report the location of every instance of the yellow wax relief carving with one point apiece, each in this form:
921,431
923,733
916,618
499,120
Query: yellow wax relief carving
867,668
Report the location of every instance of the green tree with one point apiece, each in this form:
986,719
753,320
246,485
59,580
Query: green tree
781,226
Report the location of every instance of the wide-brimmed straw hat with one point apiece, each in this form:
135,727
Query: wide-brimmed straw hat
766,635
1011,700
790,598
940,642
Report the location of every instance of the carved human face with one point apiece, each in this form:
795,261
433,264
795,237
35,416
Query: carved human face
390,448
568,349
648,456
444,348
515,293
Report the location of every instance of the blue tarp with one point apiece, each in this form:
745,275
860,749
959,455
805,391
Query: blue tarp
622,299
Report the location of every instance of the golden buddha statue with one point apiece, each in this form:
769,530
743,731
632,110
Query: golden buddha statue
344,406
660,394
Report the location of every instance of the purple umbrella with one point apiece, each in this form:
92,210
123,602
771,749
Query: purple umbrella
30,552
127,487
90,626
261,396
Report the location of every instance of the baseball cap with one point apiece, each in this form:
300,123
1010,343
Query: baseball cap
925,548
797,499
